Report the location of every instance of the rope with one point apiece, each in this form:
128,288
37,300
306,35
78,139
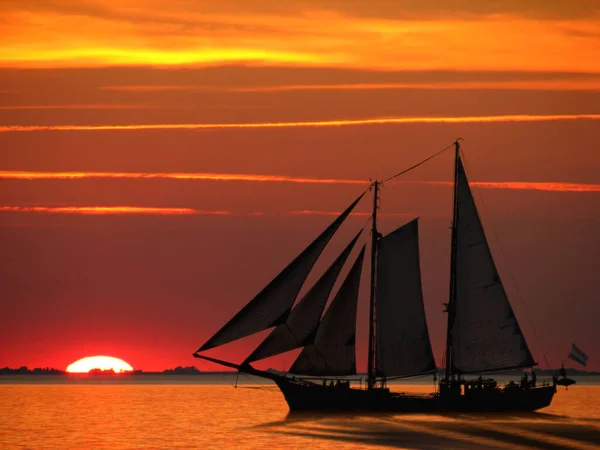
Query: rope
406,377
513,280
260,385
418,164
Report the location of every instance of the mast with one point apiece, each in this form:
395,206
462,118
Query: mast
453,257
374,239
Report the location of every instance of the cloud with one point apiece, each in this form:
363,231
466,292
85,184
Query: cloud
129,210
546,186
93,106
155,11
24,175
538,186
72,107
310,124
310,212
387,35
592,83
110,210
237,78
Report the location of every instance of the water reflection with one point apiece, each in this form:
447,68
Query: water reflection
134,416
435,431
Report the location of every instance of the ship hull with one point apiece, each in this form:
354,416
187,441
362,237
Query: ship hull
305,395
301,395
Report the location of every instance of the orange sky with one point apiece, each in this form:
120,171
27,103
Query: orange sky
384,35
162,161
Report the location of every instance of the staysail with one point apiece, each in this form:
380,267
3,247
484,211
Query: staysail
273,304
333,350
300,327
485,333
403,347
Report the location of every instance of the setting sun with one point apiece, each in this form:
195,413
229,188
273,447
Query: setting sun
84,365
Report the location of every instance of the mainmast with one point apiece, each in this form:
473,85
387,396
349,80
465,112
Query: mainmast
374,239
453,256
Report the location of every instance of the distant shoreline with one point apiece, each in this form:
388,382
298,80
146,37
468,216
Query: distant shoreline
193,371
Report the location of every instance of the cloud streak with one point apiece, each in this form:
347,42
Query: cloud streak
538,186
111,210
542,186
306,124
591,83
22,175
129,210
72,107
558,85
547,186
310,212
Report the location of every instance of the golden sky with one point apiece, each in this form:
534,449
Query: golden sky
385,35
161,161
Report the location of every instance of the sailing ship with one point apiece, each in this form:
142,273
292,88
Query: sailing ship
483,334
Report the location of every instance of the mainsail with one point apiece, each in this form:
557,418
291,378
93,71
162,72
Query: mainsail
301,325
333,350
403,346
272,305
485,333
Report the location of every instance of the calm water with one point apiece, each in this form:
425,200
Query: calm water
144,415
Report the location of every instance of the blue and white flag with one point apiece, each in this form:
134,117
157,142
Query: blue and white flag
578,356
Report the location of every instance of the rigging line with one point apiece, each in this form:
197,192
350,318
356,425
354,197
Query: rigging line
260,385
418,164
511,275
329,377
405,377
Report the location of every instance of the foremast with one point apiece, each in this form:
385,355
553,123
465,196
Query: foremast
374,239
453,264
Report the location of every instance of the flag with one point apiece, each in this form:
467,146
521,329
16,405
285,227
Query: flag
578,356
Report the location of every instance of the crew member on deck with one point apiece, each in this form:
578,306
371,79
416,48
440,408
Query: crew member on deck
524,381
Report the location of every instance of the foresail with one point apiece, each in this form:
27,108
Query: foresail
403,347
333,350
485,333
272,305
301,325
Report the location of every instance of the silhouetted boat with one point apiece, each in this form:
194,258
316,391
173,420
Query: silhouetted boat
483,334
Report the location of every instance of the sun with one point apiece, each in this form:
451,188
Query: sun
88,363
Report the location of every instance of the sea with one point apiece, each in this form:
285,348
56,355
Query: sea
215,412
